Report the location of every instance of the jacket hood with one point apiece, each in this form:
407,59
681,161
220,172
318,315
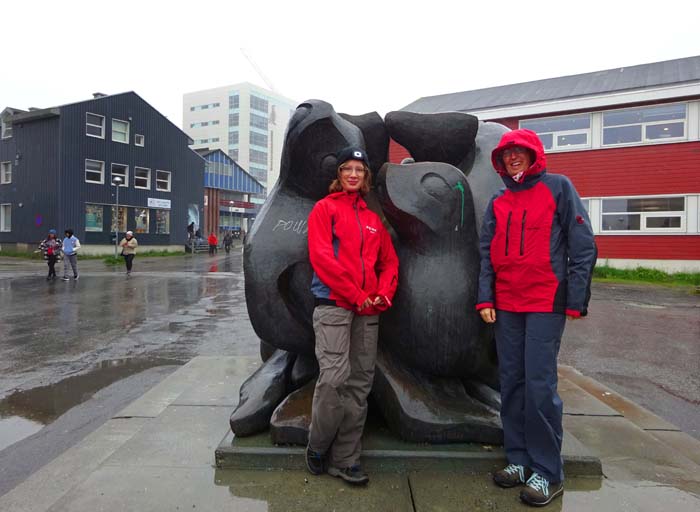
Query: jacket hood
524,138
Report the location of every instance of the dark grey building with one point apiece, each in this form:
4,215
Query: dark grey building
58,168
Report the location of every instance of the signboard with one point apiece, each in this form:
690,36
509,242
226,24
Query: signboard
236,210
158,203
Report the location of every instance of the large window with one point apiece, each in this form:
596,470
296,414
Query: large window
121,171
5,128
142,178
233,119
141,220
5,217
258,139
94,125
656,214
564,132
122,219
648,124
233,137
163,181
258,121
234,101
162,222
233,153
94,171
5,173
120,131
258,157
94,217
258,104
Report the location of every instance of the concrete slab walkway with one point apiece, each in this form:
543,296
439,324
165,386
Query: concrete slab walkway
158,454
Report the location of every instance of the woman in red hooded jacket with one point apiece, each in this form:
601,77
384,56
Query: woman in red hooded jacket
355,277
537,257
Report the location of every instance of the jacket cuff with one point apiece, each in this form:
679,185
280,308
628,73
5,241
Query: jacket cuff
573,312
483,305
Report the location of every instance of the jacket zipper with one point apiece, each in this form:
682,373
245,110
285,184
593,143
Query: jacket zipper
362,242
522,234
510,214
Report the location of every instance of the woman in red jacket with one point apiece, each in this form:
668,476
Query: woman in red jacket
213,243
355,277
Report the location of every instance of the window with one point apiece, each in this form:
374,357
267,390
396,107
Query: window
215,139
233,119
5,217
258,121
233,153
564,132
233,101
258,157
162,222
142,178
93,217
204,123
204,107
94,125
258,174
657,214
258,139
94,171
215,122
644,125
122,219
192,109
163,181
120,131
139,140
141,220
258,104
216,105
121,171
5,173
233,137
5,128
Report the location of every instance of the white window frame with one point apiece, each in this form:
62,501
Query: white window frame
125,183
128,129
2,218
136,169
555,147
5,127
102,172
101,126
645,215
644,141
4,168
136,140
170,180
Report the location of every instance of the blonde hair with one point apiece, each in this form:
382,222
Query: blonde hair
366,182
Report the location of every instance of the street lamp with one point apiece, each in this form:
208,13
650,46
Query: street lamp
116,181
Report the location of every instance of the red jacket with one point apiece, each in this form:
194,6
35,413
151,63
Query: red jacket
213,240
351,254
537,245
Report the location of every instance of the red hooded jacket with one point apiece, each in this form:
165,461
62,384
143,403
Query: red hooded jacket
537,246
351,254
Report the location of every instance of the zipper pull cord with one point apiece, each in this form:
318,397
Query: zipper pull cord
460,187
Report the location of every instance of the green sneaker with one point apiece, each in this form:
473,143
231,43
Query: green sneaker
539,491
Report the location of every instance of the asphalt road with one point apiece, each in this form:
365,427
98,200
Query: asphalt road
72,354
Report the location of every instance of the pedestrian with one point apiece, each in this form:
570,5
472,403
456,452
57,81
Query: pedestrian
355,277
51,248
190,231
129,245
213,242
537,257
228,240
70,247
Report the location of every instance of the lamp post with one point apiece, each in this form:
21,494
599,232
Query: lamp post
116,181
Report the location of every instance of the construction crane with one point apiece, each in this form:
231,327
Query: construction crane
259,71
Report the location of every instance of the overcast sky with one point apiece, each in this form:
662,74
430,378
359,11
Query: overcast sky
358,55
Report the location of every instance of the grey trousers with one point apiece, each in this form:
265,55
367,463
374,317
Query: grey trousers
346,349
71,259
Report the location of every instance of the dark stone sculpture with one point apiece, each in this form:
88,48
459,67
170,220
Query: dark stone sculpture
435,377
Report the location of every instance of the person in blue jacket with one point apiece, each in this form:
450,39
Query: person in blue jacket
71,246
537,257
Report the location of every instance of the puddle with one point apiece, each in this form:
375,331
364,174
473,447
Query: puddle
25,412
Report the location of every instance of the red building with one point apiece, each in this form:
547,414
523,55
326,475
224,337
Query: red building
629,139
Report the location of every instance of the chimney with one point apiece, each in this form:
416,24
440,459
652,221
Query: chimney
98,95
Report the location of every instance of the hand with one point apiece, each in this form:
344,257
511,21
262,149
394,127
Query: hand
572,317
488,315
379,301
367,303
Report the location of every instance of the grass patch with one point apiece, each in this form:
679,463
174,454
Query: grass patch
646,275
118,260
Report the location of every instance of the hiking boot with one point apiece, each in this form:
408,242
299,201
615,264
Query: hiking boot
511,475
315,462
352,475
539,491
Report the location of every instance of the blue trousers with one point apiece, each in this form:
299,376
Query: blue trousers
531,410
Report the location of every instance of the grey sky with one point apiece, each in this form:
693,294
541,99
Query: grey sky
360,55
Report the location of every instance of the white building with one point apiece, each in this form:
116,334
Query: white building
245,121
